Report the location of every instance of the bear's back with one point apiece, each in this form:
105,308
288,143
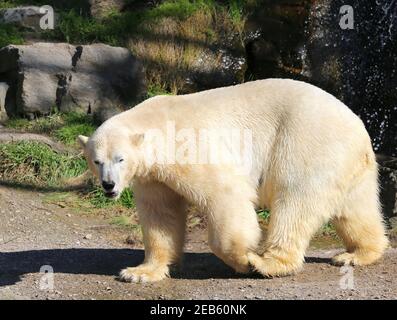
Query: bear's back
263,106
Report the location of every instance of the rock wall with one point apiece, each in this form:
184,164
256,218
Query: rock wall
303,39
95,79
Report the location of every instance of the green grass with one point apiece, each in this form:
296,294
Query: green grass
236,12
116,27
154,90
37,164
8,4
112,30
64,127
68,134
10,34
98,199
179,9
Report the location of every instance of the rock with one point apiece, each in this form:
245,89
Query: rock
95,79
388,186
3,93
28,17
88,237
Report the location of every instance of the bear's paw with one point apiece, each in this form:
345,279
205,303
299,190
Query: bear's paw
144,273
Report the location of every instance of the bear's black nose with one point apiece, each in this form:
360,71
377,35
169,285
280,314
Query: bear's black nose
108,186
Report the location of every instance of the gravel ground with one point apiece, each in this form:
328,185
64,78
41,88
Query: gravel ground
86,254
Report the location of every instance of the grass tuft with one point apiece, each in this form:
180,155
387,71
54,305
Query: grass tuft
37,164
68,134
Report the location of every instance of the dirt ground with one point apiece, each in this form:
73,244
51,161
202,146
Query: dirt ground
87,252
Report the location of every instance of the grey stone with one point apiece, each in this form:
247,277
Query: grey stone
28,17
95,79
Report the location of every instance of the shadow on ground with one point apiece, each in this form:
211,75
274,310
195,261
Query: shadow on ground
14,265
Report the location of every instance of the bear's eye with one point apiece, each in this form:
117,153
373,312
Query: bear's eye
121,160
97,162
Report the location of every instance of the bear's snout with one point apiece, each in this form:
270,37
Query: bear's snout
108,185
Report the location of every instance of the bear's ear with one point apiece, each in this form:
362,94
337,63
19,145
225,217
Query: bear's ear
137,139
82,140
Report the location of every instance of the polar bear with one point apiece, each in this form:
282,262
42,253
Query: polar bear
312,161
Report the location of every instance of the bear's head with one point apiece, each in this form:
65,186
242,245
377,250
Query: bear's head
113,156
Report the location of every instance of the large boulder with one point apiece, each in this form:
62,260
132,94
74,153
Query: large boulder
96,79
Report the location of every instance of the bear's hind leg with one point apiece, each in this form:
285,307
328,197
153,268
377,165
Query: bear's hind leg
293,221
162,214
360,224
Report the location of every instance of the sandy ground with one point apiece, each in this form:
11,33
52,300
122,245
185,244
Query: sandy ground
86,254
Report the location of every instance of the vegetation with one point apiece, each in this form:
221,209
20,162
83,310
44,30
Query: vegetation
37,164
65,127
10,35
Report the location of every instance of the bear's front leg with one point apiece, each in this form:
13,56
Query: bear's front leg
233,231
162,214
